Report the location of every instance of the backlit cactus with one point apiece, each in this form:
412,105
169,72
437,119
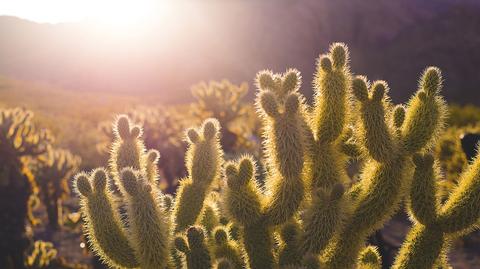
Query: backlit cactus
308,213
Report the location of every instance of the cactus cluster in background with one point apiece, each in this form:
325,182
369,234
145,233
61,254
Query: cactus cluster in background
223,101
308,213
52,171
20,142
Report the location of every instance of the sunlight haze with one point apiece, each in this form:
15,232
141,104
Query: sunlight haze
122,12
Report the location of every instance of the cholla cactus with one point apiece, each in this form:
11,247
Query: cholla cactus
148,241
223,100
20,142
42,255
52,171
309,213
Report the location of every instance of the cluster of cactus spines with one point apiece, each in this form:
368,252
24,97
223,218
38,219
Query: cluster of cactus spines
20,143
308,214
52,173
436,224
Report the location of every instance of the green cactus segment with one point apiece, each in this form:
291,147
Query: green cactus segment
102,221
370,258
151,166
332,86
204,160
425,115
421,249
128,149
323,219
285,145
227,249
423,201
194,248
290,250
149,225
210,218
380,197
242,200
258,243
374,130
462,209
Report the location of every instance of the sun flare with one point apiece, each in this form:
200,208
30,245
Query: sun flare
113,13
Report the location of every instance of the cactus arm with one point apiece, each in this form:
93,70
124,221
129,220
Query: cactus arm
243,204
196,253
425,240
374,130
423,202
376,202
322,219
285,148
227,249
290,253
102,221
210,218
462,209
204,160
188,204
258,243
242,199
149,226
128,149
421,249
332,82
151,166
425,113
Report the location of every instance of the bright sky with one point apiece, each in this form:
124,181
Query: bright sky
106,11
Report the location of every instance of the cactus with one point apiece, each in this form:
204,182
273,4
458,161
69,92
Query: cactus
20,143
308,213
436,224
42,255
52,171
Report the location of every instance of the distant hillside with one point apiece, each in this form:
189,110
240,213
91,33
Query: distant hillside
391,40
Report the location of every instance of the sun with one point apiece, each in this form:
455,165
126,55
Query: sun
113,13
127,13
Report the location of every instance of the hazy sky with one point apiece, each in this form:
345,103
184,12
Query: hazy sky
54,11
